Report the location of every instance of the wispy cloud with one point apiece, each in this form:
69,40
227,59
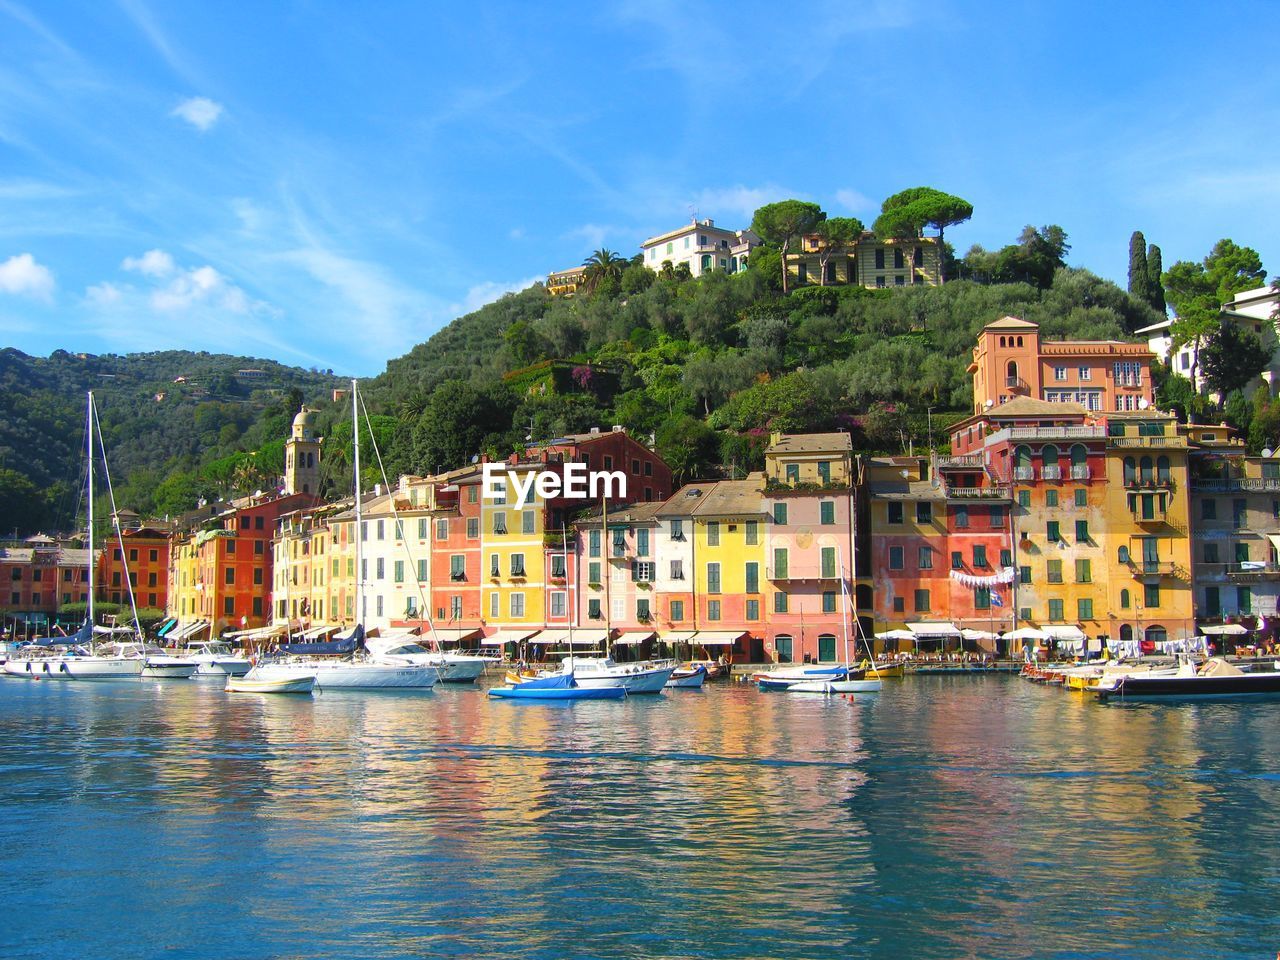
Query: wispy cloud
22,276
153,263
739,201
593,234
855,201
489,291
201,112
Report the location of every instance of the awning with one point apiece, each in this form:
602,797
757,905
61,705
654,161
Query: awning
1275,540
896,635
1026,633
400,634
718,638
188,631
631,637
257,633
576,638
675,636
506,636
315,633
1062,632
1225,629
941,629
450,634
977,634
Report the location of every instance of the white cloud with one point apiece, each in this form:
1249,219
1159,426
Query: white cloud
739,202
201,285
489,291
201,112
103,294
592,233
153,263
855,201
21,275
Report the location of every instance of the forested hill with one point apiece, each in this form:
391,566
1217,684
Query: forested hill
709,366
165,416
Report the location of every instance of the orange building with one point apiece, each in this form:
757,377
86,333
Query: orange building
1012,361
145,562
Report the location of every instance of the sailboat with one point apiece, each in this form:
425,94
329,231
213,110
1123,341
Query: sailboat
852,681
81,661
366,673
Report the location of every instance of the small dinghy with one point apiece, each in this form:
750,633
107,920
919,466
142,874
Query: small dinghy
558,687
285,683
688,677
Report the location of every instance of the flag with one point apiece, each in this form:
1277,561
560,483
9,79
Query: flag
996,600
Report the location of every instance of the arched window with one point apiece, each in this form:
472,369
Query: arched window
1162,469
1049,458
1022,463
706,261
1144,470
1126,633
826,647
1157,633
1002,341
1124,597
1019,341
1130,471
784,647
1122,554
1011,373
1079,455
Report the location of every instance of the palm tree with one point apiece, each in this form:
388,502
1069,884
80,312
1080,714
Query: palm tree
603,265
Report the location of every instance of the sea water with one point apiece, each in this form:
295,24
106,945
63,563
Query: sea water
944,817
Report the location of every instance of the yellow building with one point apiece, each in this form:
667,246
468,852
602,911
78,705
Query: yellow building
730,576
1148,547
870,262
513,570
565,283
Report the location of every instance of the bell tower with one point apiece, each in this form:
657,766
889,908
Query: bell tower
302,456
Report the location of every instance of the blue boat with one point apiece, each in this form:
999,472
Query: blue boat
558,687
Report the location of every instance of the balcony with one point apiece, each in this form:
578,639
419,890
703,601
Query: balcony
1080,471
805,572
1149,483
1069,432
971,461
1024,474
1148,443
1240,570
1051,471
995,491
1148,569
1016,384
1241,484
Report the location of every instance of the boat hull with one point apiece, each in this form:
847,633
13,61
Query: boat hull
523,692
169,669
76,668
358,676
222,667
1244,685
835,686
641,681
688,679
296,684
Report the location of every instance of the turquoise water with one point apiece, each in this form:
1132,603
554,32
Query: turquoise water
946,817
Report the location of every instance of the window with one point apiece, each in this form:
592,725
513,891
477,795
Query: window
473,528
793,472
593,543
642,610
398,573
895,511
899,605
557,566
517,605
1082,531
1082,497
780,562
231,547
677,609
517,565
1006,558
924,512
1024,574
558,604
1084,608
713,609
1084,571
1053,571
827,512
753,532
677,530
779,602
996,515
824,471
677,569
1208,509
228,606
898,261
828,563
230,575
922,601
828,601
713,578
594,613
1056,611
528,522
925,559
457,568
1059,373
753,609
780,514
642,571
1051,498
1151,596
957,560
753,578
1024,498
713,533
1054,532
880,258
982,598
979,555
495,570
1244,600
642,543
500,523
895,558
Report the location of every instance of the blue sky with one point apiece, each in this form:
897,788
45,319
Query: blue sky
328,184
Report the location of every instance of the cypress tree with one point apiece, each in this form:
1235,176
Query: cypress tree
1139,279
1155,281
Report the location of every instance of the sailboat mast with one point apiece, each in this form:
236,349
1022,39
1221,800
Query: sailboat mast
355,436
89,456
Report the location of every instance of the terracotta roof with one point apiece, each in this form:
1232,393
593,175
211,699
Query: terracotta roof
1031,407
1011,323
810,443
683,501
627,513
733,498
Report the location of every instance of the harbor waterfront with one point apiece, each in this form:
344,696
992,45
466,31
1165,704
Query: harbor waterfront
944,817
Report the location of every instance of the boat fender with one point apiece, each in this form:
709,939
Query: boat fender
64,668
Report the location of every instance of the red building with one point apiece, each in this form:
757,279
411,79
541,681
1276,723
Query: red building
145,561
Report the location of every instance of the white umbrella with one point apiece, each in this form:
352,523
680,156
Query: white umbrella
896,635
969,634
1026,633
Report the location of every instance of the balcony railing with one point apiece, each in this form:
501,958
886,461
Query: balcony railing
997,491
1243,484
1024,473
1148,443
1239,570
970,461
1016,383
1080,471
1051,471
1149,483
807,572
1153,568
1076,432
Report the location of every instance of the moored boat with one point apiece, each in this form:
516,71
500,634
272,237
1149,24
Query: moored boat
451,667
836,686
1215,678
560,686
252,682
688,678
217,658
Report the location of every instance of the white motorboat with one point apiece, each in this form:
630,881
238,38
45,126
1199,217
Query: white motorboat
648,676
835,686
74,665
217,658
295,681
452,667
156,663
688,677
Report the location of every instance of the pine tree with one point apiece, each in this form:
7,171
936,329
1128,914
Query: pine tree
1139,280
1155,277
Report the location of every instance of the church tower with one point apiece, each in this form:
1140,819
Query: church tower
302,456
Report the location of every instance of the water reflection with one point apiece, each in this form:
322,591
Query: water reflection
944,817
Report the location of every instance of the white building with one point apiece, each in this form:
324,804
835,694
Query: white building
703,246
1253,309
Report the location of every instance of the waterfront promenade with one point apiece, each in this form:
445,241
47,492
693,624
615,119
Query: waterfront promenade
945,817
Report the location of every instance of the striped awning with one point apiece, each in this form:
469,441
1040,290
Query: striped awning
629,637
718,638
675,636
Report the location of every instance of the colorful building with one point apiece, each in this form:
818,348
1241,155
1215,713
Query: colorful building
868,262
145,562
702,246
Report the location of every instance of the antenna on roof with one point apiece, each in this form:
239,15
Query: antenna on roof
693,213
